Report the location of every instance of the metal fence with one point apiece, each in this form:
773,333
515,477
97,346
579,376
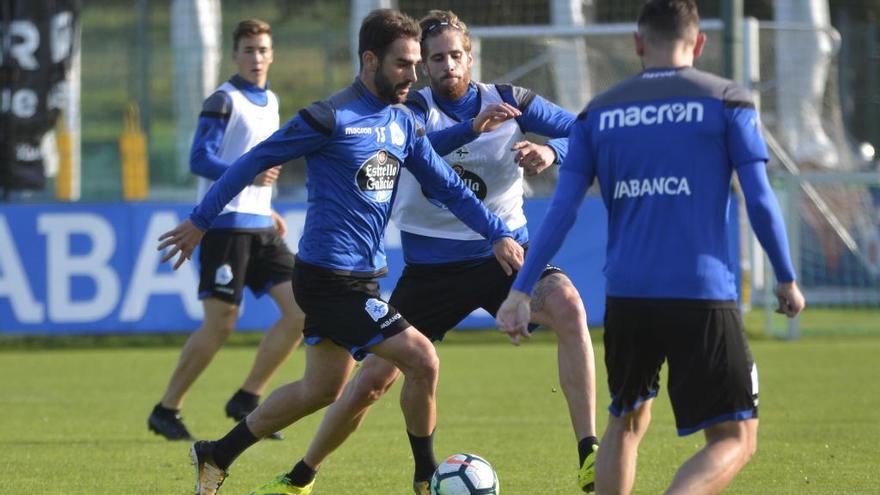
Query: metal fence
126,57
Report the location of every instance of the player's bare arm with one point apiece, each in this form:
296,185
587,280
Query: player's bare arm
514,315
493,116
532,157
182,239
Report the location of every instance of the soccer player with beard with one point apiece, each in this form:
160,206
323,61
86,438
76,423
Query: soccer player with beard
450,271
355,144
663,146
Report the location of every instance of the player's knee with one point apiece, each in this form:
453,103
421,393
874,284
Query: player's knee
293,325
739,437
426,366
567,311
637,422
324,396
370,390
220,321
746,449
217,331
293,317
370,396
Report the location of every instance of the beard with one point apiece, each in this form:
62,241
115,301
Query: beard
387,90
453,88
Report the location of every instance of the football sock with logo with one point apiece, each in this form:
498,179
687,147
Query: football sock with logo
301,474
233,444
585,447
423,454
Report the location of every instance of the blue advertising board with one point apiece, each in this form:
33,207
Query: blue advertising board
93,268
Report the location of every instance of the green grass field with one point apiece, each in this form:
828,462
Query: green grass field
74,422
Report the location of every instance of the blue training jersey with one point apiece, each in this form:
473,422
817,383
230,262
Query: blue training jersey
663,146
354,145
539,116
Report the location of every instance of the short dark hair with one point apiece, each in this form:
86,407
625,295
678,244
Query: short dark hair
670,20
438,21
382,27
249,27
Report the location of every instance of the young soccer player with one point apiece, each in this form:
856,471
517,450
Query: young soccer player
244,246
663,146
355,144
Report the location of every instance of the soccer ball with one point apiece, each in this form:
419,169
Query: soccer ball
464,474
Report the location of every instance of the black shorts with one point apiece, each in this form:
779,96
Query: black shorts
712,377
229,260
435,298
345,309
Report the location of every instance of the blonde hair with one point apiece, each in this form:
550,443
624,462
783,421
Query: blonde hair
438,21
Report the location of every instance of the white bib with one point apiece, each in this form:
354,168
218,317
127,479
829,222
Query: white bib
248,125
485,165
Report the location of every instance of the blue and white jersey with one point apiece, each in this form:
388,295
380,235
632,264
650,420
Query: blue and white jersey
430,233
663,146
355,145
233,119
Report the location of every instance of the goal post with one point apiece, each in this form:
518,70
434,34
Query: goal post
828,216
833,222
790,64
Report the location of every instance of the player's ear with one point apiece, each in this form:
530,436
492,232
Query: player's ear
370,61
640,44
699,44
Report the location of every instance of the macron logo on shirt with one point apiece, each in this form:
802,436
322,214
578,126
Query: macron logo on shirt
638,115
349,131
659,186
658,75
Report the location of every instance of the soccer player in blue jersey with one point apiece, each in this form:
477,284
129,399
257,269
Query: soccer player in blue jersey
663,146
355,144
244,246
450,270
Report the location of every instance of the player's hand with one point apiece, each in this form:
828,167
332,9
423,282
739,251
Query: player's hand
533,158
791,301
509,254
268,176
182,239
279,223
513,316
493,116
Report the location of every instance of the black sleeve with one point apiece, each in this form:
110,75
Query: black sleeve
321,116
515,95
218,105
737,96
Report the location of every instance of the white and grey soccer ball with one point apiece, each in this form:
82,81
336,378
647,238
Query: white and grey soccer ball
464,474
